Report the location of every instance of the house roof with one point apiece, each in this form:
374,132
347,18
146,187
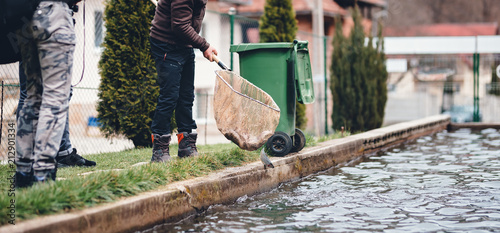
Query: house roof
350,3
330,8
447,29
381,3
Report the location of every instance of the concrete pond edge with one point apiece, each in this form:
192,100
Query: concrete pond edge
181,199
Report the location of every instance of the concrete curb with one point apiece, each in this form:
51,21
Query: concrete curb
180,199
473,126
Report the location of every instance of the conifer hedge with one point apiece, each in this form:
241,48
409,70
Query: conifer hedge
358,79
128,90
278,24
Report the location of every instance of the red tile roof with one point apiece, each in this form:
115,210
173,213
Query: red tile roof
449,29
380,3
330,8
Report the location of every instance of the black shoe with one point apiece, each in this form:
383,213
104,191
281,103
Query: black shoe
187,144
24,179
47,175
74,159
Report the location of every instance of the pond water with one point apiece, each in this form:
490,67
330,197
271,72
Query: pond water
445,182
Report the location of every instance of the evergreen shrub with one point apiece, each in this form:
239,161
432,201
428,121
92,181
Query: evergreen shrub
358,79
128,90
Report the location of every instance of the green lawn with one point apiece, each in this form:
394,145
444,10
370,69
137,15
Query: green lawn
116,175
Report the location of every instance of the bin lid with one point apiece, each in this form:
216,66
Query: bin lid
303,74
253,46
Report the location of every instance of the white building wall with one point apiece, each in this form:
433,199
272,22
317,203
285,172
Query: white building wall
86,63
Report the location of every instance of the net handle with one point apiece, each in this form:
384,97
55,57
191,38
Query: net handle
220,63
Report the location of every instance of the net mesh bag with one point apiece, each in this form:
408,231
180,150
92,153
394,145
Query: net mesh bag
244,113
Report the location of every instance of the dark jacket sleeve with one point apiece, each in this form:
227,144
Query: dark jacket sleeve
182,12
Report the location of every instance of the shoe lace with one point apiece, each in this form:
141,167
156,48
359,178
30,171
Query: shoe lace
161,147
164,148
191,142
76,156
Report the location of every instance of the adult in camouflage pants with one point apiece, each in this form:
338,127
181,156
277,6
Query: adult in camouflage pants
47,44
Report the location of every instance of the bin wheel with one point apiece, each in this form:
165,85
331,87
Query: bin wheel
279,144
299,141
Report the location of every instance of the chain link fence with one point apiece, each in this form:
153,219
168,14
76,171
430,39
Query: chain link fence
84,131
419,86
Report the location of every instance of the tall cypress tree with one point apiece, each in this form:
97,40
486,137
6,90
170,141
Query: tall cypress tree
340,82
128,90
358,72
381,79
358,79
278,24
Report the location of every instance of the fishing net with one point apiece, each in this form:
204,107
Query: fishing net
244,113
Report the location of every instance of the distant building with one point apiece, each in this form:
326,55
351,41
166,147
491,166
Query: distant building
444,29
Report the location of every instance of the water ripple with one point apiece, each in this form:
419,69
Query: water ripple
446,182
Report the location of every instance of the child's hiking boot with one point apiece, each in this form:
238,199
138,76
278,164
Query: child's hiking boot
161,148
187,144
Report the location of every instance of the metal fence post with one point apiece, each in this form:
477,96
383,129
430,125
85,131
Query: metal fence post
476,87
325,38
475,67
232,12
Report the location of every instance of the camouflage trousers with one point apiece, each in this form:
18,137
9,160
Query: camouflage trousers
47,44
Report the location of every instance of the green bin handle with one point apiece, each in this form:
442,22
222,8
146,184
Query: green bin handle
304,88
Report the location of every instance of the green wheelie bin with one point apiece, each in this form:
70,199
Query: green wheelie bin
283,70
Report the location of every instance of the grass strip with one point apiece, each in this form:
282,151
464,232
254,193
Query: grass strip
115,176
